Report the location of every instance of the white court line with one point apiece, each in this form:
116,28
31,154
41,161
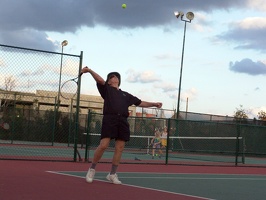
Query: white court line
260,178
254,177
192,178
146,188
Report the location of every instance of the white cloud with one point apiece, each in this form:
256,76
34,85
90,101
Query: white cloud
257,4
252,23
190,94
253,111
249,33
202,24
142,77
167,87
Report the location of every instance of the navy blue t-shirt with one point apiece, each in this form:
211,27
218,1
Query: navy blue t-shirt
116,101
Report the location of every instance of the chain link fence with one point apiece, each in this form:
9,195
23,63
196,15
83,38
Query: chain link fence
41,137
29,93
188,142
37,130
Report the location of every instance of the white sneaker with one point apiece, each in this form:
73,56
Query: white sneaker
90,175
113,179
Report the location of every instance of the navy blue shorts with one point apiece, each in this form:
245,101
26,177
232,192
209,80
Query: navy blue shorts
115,127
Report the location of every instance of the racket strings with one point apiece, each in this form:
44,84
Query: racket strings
69,89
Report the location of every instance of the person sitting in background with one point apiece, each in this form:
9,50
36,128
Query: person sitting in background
164,137
156,143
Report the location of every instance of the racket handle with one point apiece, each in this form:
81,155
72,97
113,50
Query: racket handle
82,72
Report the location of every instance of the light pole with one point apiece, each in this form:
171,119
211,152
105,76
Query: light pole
64,43
190,17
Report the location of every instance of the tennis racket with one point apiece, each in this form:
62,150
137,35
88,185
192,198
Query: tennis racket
69,88
5,126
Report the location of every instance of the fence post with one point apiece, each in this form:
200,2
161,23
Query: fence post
70,122
237,142
55,116
87,137
77,110
14,118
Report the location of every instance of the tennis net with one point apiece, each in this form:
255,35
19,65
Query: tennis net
184,149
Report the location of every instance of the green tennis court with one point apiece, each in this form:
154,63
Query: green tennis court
201,186
130,155
66,180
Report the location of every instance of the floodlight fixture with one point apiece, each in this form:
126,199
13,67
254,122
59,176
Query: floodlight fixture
64,43
179,13
190,15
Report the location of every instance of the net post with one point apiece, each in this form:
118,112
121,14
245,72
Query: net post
243,151
167,142
148,145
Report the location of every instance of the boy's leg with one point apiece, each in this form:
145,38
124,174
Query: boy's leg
100,150
97,156
119,148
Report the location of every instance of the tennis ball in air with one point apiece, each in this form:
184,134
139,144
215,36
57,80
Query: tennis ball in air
124,5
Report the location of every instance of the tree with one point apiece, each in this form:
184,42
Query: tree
9,85
240,114
262,115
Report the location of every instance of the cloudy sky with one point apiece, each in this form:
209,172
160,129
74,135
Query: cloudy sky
224,58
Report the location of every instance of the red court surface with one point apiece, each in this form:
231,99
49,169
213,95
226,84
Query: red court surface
30,180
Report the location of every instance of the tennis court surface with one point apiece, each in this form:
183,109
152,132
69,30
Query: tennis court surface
65,180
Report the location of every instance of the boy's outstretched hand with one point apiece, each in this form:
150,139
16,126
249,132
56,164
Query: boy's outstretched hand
158,104
85,70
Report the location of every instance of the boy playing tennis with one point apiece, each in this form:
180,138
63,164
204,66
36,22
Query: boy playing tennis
114,123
